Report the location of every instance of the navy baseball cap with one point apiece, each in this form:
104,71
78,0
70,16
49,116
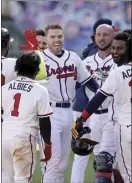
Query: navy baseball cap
100,22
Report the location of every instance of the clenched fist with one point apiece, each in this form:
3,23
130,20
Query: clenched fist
47,152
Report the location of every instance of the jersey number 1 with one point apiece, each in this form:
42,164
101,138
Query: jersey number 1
16,105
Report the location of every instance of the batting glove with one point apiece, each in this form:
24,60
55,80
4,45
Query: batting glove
31,41
77,126
47,152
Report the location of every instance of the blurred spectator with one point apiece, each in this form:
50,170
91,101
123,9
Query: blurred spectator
128,12
73,40
37,14
6,9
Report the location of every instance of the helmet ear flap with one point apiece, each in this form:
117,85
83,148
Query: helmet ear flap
83,146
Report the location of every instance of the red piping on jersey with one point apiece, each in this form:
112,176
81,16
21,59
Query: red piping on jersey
31,169
45,114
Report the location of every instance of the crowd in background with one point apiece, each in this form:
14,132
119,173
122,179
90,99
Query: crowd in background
77,18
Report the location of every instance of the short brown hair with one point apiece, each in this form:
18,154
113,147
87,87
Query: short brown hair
52,26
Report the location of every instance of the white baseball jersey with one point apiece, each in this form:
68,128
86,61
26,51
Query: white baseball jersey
23,102
63,73
99,69
112,114
119,84
8,73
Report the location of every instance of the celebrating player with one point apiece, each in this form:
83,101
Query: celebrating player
7,64
99,66
40,36
119,85
64,69
26,107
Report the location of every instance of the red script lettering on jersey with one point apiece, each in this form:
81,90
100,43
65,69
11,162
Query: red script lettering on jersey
63,72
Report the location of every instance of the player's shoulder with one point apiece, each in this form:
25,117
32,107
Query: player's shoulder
8,59
40,87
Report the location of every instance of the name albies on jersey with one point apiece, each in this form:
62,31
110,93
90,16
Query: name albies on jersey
63,73
99,69
23,102
7,70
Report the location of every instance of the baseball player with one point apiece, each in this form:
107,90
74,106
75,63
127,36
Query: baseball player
119,85
99,65
7,64
40,36
26,108
64,69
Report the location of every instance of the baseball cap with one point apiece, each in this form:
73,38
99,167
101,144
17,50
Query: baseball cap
103,21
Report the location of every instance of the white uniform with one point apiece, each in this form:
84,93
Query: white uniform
119,84
7,67
23,102
63,73
102,130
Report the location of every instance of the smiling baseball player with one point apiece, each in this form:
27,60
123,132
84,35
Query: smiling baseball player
64,69
118,84
99,65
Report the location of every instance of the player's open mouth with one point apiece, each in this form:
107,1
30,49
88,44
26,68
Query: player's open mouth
116,56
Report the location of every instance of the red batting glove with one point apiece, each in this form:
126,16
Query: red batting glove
31,41
47,152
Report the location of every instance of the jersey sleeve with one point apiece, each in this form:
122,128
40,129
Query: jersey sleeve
110,85
83,74
44,109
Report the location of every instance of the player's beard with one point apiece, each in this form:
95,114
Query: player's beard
104,48
124,58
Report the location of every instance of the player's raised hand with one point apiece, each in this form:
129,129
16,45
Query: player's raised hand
47,152
31,41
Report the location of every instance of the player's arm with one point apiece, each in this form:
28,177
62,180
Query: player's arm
44,112
107,89
92,85
45,129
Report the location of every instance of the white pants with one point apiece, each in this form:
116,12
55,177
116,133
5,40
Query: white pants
61,123
18,157
80,162
102,132
123,150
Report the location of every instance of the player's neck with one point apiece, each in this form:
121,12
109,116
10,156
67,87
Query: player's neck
59,54
104,54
